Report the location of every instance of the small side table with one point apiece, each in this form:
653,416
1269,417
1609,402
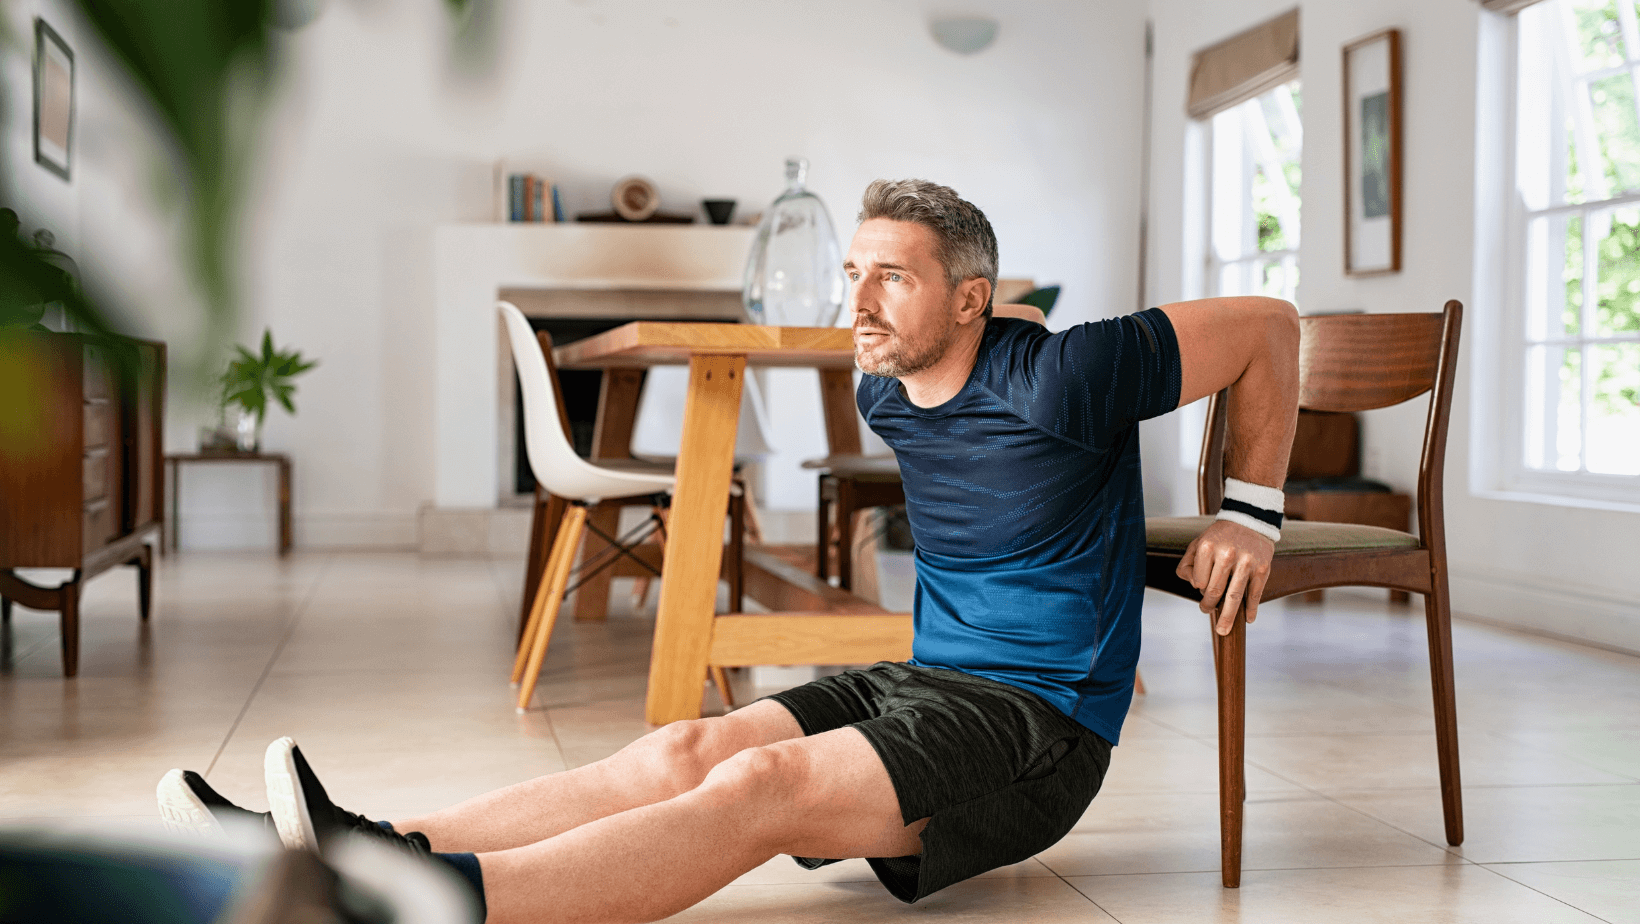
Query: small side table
174,463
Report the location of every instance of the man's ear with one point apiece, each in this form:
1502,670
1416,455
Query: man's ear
972,297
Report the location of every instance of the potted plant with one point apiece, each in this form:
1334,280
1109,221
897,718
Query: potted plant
251,380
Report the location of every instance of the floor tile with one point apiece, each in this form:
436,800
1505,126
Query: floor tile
1176,764
1521,824
1607,889
1407,895
1021,900
1179,832
1335,763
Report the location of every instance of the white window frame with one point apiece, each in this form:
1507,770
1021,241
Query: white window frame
1512,399
1201,187
1234,196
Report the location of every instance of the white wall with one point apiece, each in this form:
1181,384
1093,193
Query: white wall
378,138
1566,570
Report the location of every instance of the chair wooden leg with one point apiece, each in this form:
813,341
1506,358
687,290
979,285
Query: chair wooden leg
736,563
1231,658
549,596
592,597
844,513
1438,621
720,679
1138,683
822,538
544,521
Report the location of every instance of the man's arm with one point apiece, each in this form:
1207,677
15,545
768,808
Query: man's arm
1250,345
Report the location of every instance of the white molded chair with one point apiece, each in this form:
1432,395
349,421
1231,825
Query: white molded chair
561,472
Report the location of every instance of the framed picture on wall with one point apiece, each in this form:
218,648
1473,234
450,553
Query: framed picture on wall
53,100
1372,154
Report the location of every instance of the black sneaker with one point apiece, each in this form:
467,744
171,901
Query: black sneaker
188,804
305,816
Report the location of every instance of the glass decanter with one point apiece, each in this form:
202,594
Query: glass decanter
794,274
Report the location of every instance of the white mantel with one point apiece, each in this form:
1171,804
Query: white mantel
472,262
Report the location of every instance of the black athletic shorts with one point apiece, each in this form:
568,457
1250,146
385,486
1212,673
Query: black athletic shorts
1000,774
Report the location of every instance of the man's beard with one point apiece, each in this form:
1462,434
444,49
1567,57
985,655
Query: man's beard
902,357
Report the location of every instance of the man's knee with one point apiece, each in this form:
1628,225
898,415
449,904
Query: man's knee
776,773
680,755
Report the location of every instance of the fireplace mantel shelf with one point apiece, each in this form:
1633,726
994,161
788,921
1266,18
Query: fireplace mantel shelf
473,263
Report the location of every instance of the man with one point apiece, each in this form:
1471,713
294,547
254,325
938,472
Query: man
1019,451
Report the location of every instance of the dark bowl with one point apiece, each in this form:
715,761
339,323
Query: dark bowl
719,210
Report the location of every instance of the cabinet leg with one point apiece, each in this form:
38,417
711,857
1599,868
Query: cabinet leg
69,595
145,581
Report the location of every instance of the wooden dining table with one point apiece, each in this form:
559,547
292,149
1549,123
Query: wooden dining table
808,621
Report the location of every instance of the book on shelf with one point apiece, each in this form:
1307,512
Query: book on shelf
515,197
528,199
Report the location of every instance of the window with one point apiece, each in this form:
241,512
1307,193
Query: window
1253,211
1575,337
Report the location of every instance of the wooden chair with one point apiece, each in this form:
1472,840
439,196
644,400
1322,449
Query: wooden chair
849,484
1346,363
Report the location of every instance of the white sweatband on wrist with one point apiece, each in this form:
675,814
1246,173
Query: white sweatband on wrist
1254,506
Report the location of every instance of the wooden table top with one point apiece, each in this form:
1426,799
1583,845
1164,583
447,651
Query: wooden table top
667,343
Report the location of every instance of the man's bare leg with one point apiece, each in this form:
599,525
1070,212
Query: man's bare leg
827,795
661,765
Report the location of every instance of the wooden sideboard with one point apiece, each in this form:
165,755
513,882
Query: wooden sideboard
80,470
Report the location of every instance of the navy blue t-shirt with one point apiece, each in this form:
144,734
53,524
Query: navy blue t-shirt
1024,497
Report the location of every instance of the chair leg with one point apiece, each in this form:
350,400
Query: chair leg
1438,621
1138,683
844,512
720,679
736,562
592,597
544,522
1231,658
822,539
548,597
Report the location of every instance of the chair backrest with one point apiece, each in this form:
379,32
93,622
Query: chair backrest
1358,362
546,425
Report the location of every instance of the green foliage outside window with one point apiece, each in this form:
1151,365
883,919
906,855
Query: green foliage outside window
1617,254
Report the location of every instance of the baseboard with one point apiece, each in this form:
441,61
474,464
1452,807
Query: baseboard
356,531
473,532
1556,611
231,531
481,532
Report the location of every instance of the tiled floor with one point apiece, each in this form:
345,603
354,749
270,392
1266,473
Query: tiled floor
391,671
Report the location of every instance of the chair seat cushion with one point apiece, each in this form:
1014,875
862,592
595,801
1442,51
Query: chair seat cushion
846,465
1298,537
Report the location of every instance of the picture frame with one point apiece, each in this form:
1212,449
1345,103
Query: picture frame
1373,165
53,100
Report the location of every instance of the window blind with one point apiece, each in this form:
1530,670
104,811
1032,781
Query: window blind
1243,66
1507,7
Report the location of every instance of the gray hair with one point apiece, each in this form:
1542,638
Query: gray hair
965,245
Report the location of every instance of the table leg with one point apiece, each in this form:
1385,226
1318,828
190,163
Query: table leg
694,539
175,526
284,507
